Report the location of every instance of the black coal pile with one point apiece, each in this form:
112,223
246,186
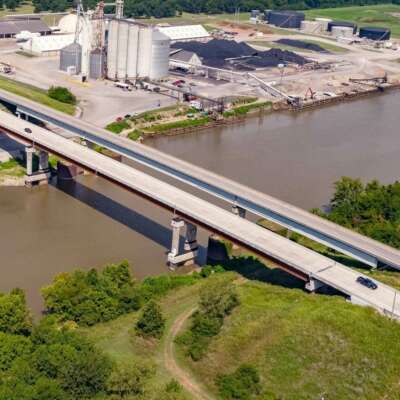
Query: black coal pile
274,57
302,45
215,52
233,55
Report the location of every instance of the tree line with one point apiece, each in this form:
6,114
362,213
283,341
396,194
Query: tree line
170,8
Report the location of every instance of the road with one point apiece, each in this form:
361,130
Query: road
302,261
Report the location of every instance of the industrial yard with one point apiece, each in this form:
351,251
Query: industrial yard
119,68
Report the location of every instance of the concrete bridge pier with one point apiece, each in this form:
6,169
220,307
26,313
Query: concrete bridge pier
314,284
30,151
190,248
41,176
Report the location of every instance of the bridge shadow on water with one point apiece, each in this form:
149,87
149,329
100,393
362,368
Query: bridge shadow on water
132,219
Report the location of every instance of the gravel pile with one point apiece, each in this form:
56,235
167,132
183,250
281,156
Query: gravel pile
302,45
216,53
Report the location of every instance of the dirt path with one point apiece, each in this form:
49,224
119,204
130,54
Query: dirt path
182,376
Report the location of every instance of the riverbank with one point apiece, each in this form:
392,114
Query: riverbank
12,173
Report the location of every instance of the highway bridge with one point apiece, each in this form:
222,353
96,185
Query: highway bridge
334,236
312,267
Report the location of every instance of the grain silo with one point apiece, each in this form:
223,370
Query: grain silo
286,19
136,51
71,56
375,33
96,64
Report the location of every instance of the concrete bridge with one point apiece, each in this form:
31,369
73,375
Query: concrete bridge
242,198
187,209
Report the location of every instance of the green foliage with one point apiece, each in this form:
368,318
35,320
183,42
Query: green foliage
158,286
50,363
180,124
14,314
151,322
371,209
8,164
117,127
245,109
128,379
217,300
91,297
135,134
62,94
243,384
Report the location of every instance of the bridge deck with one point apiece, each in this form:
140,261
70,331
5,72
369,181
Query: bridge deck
349,242
213,217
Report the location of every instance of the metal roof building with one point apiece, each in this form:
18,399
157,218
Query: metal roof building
185,32
12,26
47,45
184,59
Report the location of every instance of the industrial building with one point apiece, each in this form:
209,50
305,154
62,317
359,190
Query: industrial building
342,24
375,33
286,19
185,33
46,45
184,59
136,51
14,25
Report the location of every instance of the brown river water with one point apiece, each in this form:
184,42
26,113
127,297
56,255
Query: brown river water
296,157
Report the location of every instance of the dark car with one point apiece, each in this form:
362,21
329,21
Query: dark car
370,284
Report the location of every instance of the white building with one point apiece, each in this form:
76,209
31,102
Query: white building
184,59
185,33
47,45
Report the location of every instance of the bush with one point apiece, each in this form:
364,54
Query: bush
135,135
91,297
62,94
151,323
243,384
117,127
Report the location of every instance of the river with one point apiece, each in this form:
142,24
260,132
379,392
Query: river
296,157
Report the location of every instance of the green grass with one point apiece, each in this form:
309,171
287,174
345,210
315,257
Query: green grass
11,169
117,127
245,109
135,134
377,15
118,339
187,123
25,8
35,94
306,346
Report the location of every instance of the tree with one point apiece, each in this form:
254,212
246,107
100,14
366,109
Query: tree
128,379
151,322
61,94
243,384
14,314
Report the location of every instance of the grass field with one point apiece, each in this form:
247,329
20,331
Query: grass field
378,15
35,94
25,8
306,346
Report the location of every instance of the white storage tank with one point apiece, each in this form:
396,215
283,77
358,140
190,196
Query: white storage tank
159,55
342,31
323,22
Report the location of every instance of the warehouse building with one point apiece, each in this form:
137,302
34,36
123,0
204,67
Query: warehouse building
183,59
185,33
47,45
12,26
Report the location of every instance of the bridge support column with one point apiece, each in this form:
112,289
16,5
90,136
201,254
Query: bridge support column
30,151
43,161
190,247
241,212
314,284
